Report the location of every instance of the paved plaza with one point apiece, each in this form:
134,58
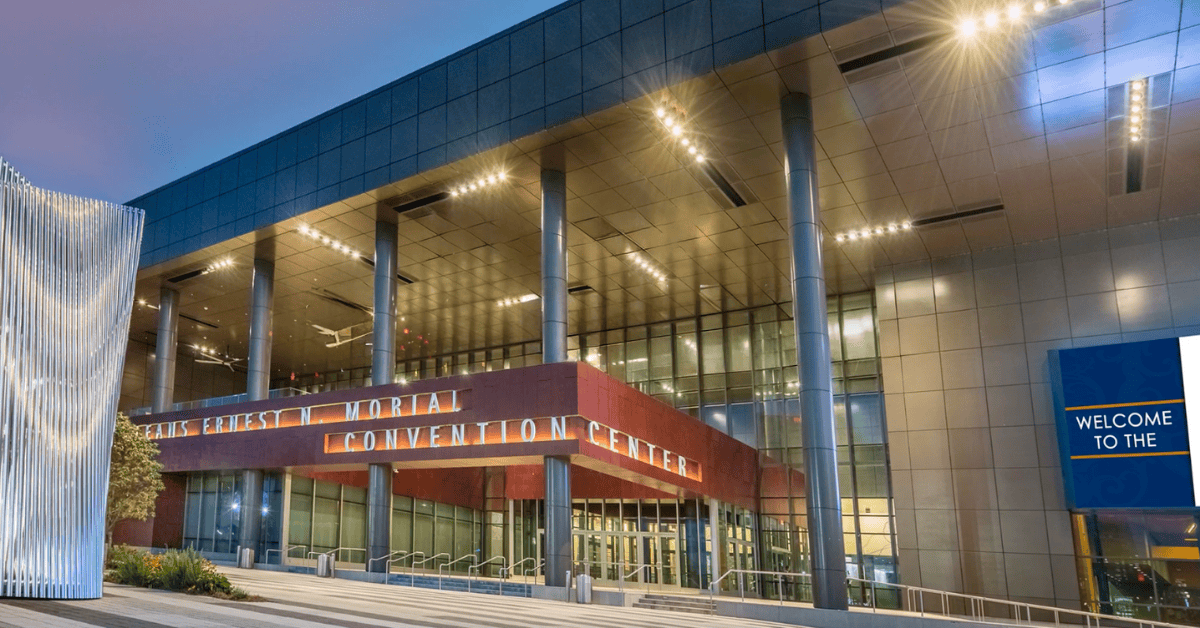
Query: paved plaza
303,601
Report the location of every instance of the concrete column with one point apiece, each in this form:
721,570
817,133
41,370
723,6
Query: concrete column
383,371
812,353
557,548
558,520
262,298
554,266
163,384
251,510
718,544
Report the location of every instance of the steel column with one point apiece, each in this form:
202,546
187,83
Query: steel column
557,548
383,349
379,515
812,352
383,371
163,385
554,266
262,297
251,511
558,520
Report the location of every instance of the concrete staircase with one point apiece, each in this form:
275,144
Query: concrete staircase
683,604
488,586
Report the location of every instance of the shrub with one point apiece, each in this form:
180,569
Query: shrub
118,554
174,570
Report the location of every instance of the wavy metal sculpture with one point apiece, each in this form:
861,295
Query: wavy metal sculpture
67,272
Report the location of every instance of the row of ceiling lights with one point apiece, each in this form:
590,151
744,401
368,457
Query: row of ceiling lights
870,232
672,118
647,267
328,241
525,298
1138,115
992,20
479,184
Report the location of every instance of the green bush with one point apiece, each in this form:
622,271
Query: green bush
174,570
118,554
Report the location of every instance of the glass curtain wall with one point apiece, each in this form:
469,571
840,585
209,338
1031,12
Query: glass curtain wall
212,513
1140,564
327,516
737,372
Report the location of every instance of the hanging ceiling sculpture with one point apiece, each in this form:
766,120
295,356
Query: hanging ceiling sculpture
67,269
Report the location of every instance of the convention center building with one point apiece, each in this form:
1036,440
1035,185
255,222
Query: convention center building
659,289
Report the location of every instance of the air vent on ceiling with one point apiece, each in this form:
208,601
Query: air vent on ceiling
723,184
399,277
879,55
420,207
581,288
188,275
340,300
198,321
958,215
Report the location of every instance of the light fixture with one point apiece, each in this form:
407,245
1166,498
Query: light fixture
870,232
969,26
673,119
1138,115
647,267
220,264
525,298
328,241
480,183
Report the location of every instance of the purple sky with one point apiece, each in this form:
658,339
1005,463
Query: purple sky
113,99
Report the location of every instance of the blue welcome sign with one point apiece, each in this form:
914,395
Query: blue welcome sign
1123,423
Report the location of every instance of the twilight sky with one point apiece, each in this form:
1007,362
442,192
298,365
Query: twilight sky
112,99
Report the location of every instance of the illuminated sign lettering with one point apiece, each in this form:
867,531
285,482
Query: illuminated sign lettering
531,430
360,410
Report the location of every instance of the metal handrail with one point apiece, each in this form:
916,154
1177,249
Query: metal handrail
513,566
338,549
712,587
478,565
540,566
387,558
283,552
413,567
447,566
621,582
406,555
1022,612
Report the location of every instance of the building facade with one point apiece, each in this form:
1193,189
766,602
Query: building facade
836,243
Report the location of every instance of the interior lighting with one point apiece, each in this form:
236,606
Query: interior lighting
218,265
648,267
871,232
674,119
484,181
1014,12
968,28
991,19
1136,114
1038,7
328,241
525,298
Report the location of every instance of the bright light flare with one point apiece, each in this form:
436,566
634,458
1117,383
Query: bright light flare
968,28
1014,12
991,19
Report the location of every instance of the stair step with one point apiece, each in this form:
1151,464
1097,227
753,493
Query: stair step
656,601
451,583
